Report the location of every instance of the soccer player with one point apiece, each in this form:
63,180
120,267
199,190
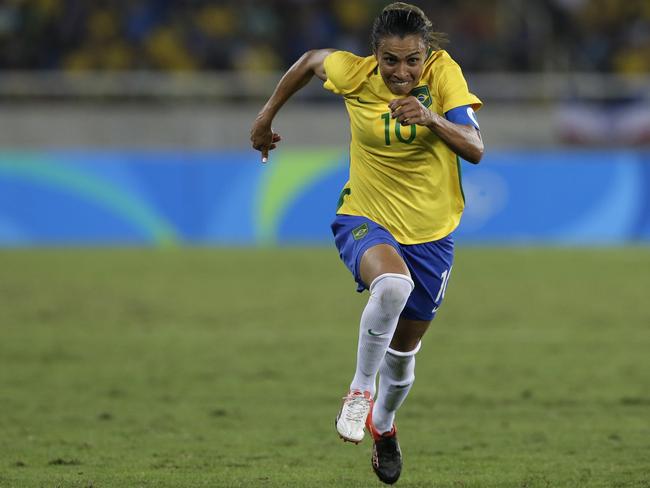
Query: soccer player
411,117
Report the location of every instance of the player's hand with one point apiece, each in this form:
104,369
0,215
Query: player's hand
409,111
263,138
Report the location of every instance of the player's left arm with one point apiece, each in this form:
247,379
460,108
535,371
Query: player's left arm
461,134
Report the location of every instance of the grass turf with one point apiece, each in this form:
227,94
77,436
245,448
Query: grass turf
215,367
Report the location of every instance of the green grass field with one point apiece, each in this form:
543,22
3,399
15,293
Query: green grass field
225,368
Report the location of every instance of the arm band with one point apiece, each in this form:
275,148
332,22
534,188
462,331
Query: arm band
463,115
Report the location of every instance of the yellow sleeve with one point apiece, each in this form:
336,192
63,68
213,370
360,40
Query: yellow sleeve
345,72
453,89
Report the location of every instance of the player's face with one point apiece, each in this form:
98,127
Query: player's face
401,62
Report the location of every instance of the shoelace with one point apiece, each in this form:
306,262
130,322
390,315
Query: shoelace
357,408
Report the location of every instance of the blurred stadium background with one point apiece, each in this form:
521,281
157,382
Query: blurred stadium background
127,121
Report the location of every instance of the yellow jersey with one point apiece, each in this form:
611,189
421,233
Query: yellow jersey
405,178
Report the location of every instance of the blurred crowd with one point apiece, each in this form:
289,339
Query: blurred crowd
484,35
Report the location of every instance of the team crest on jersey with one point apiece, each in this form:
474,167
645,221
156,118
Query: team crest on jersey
422,94
360,232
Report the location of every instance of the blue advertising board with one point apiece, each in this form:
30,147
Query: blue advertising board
104,197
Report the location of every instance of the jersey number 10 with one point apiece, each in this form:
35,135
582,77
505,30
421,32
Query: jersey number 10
398,130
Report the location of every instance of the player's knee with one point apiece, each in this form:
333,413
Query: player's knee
392,290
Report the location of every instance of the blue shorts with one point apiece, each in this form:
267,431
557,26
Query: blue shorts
429,263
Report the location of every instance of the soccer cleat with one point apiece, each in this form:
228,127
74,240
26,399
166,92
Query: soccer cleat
386,454
352,417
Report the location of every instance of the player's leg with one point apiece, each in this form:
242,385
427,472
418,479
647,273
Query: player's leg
430,266
390,285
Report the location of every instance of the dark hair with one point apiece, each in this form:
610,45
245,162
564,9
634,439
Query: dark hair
403,19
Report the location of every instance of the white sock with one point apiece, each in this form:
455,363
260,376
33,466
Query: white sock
388,295
396,377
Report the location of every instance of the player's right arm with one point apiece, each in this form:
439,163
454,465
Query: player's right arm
309,65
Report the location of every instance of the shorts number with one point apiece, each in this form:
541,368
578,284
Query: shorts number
443,286
398,130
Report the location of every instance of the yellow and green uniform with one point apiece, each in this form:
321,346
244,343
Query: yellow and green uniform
405,178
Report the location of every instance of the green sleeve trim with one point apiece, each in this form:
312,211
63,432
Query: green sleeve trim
460,177
345,191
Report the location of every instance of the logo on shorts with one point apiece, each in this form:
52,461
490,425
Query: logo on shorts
422,94
360,232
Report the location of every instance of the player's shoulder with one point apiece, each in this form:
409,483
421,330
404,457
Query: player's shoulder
348,60
441,69
438,61
346,71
